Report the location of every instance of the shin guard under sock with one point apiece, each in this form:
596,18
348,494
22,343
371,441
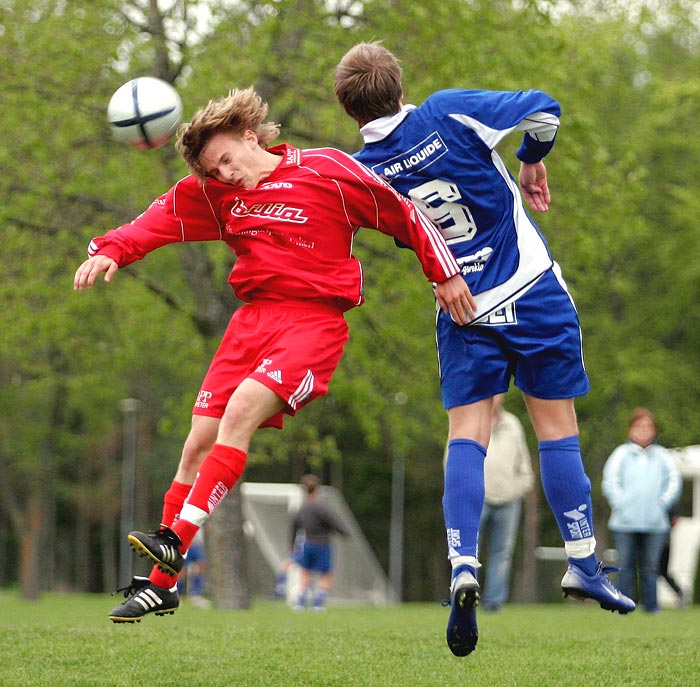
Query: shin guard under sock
463,497
218,473
568,492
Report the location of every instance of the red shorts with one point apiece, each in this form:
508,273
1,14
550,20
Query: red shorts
292,348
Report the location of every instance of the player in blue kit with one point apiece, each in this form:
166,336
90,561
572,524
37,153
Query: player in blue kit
442,156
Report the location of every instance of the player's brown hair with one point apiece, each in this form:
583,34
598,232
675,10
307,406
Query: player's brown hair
310,483
239,111
639,413
368,82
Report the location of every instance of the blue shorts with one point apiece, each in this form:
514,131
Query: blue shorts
536,340
315,557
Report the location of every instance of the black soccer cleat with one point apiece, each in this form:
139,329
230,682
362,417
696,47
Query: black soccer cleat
143,597
462,631
162,547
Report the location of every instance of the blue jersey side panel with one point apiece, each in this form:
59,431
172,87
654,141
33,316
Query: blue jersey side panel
441,155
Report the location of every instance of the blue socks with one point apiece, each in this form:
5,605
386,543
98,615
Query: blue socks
568,491
589,564
565,484
463,497
320,598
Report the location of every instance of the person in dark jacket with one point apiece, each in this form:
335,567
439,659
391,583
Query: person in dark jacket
311,531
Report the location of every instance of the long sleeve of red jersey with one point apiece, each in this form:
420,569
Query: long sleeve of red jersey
372,203
187,212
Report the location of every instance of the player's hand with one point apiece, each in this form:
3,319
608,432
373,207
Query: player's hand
86,274
533,184
456,299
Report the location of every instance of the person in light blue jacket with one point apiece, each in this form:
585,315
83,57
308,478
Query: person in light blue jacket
641,482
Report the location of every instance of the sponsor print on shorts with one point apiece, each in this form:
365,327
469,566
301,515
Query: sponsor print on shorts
203,398
275,375
502,316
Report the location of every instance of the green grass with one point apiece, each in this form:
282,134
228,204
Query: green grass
67,641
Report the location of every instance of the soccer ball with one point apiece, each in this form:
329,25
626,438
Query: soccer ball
144,112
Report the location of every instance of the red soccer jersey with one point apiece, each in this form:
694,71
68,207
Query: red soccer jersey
293,233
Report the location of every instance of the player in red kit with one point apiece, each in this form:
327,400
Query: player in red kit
290,216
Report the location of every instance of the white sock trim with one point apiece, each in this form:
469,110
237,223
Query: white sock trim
471,561
195,515
580,548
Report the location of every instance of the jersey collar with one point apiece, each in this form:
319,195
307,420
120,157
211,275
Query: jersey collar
379,129
291,156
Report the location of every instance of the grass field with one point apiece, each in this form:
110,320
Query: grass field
67,641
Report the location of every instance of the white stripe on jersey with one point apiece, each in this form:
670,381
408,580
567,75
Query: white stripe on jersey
542,126
355,168
437,241
491,137
182,224
211,207
534,261
358,170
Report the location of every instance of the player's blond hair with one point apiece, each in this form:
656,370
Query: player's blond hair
239,111
368,82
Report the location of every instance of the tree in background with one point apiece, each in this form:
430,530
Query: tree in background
623,219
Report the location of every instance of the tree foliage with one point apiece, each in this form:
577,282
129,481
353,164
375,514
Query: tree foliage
622,224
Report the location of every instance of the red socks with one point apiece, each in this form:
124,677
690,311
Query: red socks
172,505
162,579
172,502
218,473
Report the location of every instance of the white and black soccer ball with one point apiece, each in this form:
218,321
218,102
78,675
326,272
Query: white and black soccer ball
144,112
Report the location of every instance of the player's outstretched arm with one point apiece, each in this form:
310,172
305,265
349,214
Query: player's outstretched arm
86,274
455,298
534,187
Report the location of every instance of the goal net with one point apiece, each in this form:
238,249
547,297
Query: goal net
268,509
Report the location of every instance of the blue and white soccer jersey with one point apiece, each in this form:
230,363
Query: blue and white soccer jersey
442,156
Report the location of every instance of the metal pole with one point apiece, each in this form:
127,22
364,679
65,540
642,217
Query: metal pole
396,529
129,408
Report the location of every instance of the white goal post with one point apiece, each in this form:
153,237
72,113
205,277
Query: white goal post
268,509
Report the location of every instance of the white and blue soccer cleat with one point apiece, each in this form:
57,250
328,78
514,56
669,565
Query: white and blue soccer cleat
462,632
598,587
